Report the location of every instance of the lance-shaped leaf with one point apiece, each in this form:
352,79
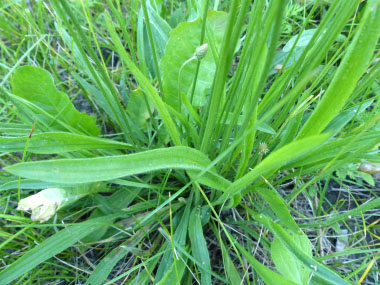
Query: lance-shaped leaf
73,171
58,142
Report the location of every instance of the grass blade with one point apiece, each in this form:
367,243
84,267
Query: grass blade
275,161
199,246
103,269
51,246
354,64
269,276
145,84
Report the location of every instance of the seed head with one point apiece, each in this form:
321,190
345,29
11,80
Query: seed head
263,148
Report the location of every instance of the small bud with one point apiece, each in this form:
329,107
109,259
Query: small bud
370,167
278,67
201,51
44,204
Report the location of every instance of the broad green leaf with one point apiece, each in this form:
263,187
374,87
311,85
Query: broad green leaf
37,86
265,128
50,247
183,41
322,271
118,200
199,246
105,266
160,27
72,171
286,263
302,42
279,207
367,177
338,123
265,273
319,269
352,67
58,142
139,108
30,111
175,272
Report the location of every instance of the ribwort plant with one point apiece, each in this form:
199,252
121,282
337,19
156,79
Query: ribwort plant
215,135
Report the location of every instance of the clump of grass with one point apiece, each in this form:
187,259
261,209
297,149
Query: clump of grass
215,169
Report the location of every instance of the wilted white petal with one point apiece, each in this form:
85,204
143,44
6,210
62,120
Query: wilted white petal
44,204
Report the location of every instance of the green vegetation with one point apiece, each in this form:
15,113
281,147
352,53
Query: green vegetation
189,142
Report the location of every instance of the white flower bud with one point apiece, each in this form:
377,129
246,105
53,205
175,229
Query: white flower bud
44,204
201,51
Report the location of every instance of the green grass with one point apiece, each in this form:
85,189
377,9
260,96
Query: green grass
240,166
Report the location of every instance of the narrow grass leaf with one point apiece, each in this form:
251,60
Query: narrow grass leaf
338,217
50,247
105,266
330,149
179,237
231,271
341,120
352,67
199,246
175,273
149,89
